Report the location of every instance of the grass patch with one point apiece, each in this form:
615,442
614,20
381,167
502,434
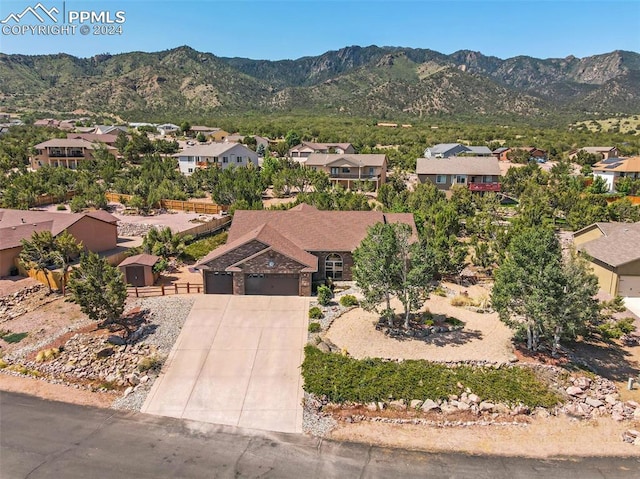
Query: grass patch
315,327
14,337
199,248
343,379
150,363
20,369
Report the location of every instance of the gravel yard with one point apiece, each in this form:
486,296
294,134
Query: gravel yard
484,337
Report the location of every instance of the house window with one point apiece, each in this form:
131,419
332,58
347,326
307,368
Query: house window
335,171
225,159
333,266
487,179
314,168
190,170
461,179
215,159
441,179
346,170
239,159
371,170
190,159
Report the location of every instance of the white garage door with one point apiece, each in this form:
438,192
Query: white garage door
629,286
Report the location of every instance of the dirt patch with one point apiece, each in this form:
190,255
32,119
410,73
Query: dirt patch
484,337
12,284
541,438
55,392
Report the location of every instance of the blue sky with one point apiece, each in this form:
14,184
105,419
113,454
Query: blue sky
291,29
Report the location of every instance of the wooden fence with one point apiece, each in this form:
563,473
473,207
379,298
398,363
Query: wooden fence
190,206
165,290
207,228
44,200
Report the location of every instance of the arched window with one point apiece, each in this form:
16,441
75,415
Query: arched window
333,266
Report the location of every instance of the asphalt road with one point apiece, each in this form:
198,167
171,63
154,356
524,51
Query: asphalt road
44,439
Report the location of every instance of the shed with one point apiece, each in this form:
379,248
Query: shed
138,269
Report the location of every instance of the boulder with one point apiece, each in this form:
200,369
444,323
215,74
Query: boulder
593,402
415,404
429,404
582,382
116,340
473,398
574,391
103,353
611,398
398,404
448,408
372,407
486,406
324,347
128,391
462,406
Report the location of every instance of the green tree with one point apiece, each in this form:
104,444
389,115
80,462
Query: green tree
292,139
162,242
623,210
99,289
374,268
261,150
185,127
37,252
65,250
599,186
201,138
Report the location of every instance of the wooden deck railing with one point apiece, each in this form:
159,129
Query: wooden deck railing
165,290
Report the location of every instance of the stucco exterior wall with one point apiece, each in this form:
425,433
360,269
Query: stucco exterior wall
607,279
587,236
96,235
6,259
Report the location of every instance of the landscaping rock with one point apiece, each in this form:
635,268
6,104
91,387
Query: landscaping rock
398,405
415,404
324,347
429,405
486,406
593,402
574,391
103,353
372,406
473,398
116,340
448,408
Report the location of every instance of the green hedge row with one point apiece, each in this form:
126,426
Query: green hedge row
343,379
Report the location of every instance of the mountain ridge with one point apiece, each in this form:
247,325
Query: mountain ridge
366,81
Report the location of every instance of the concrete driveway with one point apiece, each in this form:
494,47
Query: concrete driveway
236,362
633,305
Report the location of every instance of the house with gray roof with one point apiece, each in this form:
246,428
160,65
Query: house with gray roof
447,150
218,155
614,254
479,173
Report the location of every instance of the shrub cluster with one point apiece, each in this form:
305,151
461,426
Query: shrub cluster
348,300
316,313
343,379
324,295
315,327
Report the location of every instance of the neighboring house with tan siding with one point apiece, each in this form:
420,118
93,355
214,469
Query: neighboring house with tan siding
614,253
602,152
215,155
346,169
65,152
306,148
477,173
285,252
96,230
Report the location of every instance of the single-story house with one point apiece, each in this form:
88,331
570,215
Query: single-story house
602,152
612,169
218,155
480,173
168,129
109,129
138,270
447,150
501,153
97,230
535,154
215,134
614,253
345,169
48,122
285,252
66,152
306,148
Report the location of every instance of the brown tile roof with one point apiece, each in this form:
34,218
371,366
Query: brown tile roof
320,146
620,244
361,160
55,222
459,165
10,237
315,230
94,137
68,143
623,165
140,259
273,240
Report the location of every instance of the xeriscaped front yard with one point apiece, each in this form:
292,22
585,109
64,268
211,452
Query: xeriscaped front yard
344,379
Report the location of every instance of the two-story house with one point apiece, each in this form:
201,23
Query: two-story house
612,169
217,155
306,148
601,152
66,152
447,150
345,169
480,173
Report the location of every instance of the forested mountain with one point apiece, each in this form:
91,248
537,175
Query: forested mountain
365,81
